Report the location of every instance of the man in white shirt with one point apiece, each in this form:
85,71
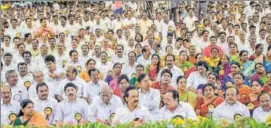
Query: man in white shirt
148,96
44,103
198,77
72,110
94,87
75,61
27,56
39,78
170,59
261,113
8,64
24,74
71,76
53,73
190,19
19,92
104,66
132,111
119,56
131,66
173,107
104,106
230,109
8,106
145,58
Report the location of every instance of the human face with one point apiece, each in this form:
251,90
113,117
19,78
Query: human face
123,85
155,60
104,57
95,77
214,53
12,79
71,93
269,78
199,58
43,93
39,77
170,61
132,99
183,56
139,70
256,87
7,59
145,84
222,38
23,69
168,100
260,69
209,92
97,49
44,50
201,69
117,69
106,96
231,96
28,109
224,59
70,74
166,78
74,57
233,48
6,94
235,69
260,49
212,78
131,57
91,65
265,102
182,84
244,56
238,80
51,65
27,58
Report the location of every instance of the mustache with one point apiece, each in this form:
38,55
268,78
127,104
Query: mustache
135,101
71,94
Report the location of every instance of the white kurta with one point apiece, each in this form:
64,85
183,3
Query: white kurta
99,110
183,109
226,111
66,110
7,109
124,115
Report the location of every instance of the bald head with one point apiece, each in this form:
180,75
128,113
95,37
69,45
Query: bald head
106,94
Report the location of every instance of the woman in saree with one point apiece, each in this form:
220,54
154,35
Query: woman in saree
28,116
259,74
244,90
213,59
258,55
213,79
256,90
235,68
247,67
267,60
154,67
184,94
207,103
233,54
184,64
223,68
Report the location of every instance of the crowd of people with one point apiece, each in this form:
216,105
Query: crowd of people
116,62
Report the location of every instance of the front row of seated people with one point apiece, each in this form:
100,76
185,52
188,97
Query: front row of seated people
134,104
